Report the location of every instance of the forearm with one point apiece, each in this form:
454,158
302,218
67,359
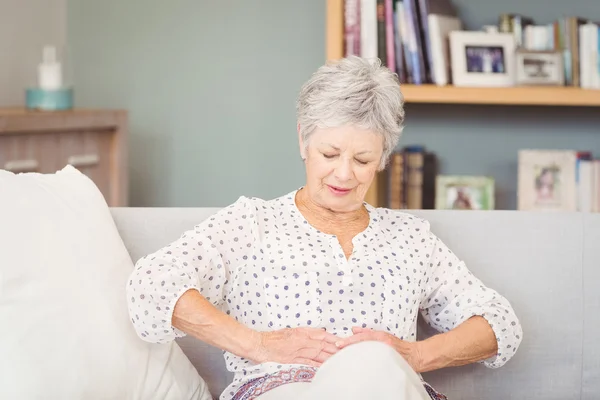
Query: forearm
472,341
196,316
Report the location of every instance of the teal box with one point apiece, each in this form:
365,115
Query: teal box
49,100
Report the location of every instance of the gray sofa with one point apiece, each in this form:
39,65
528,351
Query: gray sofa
546,264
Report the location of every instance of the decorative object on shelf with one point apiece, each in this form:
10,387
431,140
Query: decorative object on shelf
50,94
547,180
50,70
482,59
540,68
490,28
515,24
464,192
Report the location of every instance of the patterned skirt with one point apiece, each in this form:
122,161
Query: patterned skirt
254,388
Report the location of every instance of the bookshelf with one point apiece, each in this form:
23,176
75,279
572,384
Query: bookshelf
521,96
562,96
518,95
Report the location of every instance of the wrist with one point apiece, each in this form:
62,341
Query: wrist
254,346
417,358
429,354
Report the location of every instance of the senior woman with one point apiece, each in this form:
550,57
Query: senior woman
315,294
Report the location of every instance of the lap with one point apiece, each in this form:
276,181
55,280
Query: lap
365,370
290,391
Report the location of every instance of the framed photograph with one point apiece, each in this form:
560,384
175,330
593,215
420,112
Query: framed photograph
540,68
464,193
547,180
482,59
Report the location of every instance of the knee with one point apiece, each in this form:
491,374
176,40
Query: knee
370,350
370,367
368,354
373,355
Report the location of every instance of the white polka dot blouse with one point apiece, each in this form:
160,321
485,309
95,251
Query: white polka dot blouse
262,263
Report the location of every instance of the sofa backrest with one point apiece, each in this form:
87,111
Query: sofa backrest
546,264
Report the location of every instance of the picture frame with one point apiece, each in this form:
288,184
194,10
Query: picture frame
539,68
482,59
547,180
464,192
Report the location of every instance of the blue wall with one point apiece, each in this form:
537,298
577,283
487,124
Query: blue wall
211,88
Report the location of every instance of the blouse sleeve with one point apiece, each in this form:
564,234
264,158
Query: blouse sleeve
454,294
203,259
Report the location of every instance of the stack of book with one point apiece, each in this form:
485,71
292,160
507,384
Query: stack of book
410,37
410,179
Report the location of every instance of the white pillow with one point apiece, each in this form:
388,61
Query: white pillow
64,328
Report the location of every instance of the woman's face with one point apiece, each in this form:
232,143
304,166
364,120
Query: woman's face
340,166
547,179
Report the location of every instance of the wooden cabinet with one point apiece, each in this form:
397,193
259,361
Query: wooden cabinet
93,141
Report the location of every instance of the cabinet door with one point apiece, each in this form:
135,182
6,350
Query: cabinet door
90,153
48,152
24,152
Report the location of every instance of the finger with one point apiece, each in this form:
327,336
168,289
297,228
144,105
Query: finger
323,335
359,329
330,348
322,357
376,335
357,338
330,338
322,347
318,352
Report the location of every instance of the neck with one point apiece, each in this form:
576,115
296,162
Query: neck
322,215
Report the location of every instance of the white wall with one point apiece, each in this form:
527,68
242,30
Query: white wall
25,27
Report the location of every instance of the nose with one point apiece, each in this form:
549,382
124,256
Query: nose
343,170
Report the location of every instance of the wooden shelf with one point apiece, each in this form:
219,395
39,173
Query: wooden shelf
522,95
21,120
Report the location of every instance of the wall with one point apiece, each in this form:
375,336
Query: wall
25,27
211,88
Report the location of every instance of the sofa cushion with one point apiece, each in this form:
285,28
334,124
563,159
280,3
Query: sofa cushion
65,331
591,307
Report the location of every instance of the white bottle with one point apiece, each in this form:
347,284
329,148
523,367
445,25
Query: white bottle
50,70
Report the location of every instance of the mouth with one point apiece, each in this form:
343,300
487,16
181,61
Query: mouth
338,190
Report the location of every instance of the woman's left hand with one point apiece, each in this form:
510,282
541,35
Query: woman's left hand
408,350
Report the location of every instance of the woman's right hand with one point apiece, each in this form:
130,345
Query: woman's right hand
307,346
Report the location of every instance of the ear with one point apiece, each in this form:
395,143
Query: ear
301,143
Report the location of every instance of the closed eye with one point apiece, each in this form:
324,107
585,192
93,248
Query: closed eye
329,155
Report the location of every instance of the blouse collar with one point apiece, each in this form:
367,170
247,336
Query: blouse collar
366,234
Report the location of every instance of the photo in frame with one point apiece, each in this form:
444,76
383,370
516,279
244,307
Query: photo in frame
539,68
464,192
482,59
547,180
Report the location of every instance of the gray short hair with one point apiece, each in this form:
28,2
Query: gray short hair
353,91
